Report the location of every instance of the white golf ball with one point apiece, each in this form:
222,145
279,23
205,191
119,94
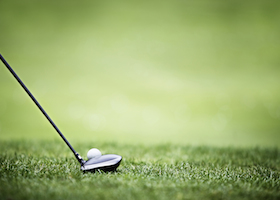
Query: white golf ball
93,153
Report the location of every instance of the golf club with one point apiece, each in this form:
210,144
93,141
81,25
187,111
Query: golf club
106,163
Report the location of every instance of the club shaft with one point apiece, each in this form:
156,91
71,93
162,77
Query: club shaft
40,107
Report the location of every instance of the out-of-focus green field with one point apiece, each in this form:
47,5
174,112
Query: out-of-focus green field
181,72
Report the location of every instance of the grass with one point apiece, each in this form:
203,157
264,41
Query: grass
186,91
47,170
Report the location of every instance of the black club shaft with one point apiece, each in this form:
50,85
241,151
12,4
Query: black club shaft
42,110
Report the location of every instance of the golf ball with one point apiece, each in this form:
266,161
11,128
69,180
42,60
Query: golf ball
93,153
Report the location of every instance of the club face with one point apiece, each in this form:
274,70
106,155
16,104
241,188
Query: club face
105,163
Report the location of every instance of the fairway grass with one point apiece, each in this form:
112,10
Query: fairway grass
47,170
197,82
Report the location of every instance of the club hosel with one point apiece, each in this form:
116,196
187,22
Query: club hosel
80,159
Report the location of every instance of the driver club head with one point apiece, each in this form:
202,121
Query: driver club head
106,163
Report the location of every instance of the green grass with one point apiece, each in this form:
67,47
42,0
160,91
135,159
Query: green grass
47,170
186,91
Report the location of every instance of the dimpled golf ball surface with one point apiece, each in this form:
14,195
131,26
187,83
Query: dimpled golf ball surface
93,153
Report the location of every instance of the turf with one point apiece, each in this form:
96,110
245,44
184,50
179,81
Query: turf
186,91
47,170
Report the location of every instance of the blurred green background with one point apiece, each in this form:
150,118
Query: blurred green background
182,72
